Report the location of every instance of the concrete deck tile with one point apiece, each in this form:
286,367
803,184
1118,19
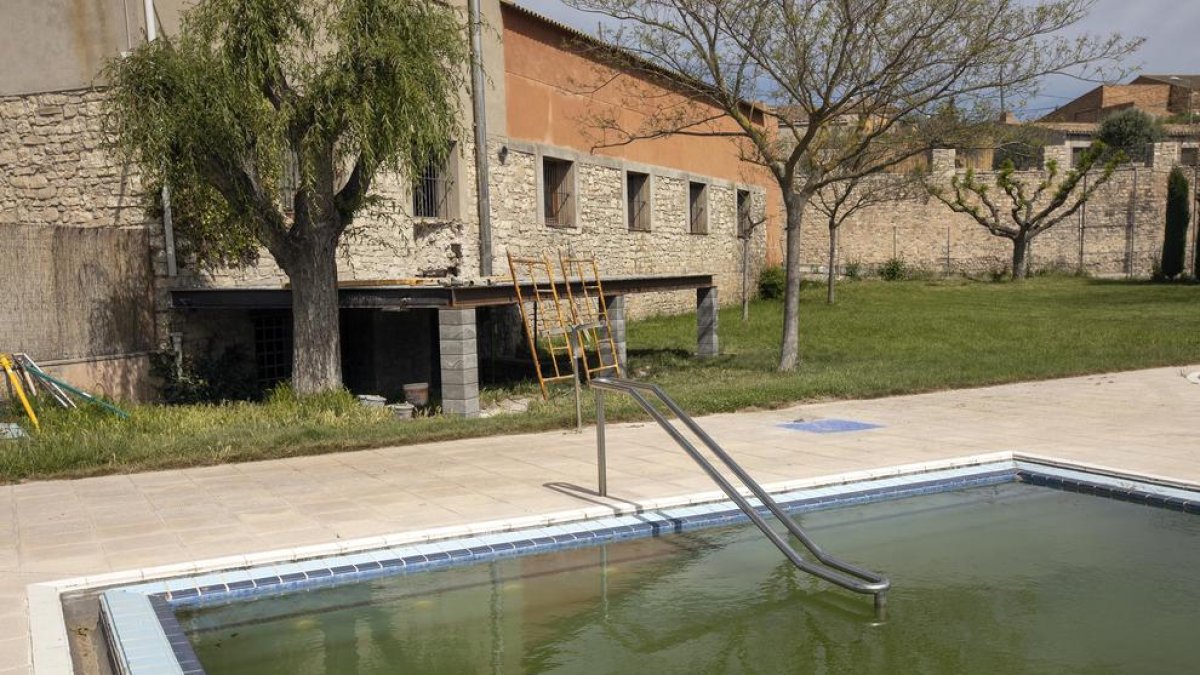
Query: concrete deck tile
14,649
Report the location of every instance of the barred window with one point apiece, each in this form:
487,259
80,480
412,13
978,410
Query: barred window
1189,156
698,207
558,204
272,348
433,189
637,201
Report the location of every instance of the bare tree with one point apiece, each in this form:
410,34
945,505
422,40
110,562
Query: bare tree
838,201
890,64
746,227
1028,213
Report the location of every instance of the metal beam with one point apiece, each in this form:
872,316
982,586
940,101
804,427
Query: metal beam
361,296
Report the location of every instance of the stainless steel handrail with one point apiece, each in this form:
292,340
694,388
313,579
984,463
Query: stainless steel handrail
832,569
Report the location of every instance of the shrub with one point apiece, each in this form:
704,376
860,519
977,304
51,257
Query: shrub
1130,132
772,283
1174,250
893,270
228,376
853,270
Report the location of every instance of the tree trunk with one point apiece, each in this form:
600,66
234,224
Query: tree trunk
1020,257
789,351
316,341
746,278
832,281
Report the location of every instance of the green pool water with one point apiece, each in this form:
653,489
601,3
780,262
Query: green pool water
1005,579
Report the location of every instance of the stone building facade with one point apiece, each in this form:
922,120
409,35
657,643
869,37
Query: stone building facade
1157,95
90,295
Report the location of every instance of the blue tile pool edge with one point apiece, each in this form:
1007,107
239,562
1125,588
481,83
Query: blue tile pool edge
144,635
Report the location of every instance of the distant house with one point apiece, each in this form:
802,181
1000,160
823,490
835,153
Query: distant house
1164,96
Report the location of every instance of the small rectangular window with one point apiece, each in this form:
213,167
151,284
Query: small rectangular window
432,189
1189,156
698,207
744,221
558,203
272,348
637,201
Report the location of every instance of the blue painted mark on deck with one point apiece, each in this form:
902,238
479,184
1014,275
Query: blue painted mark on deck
829,426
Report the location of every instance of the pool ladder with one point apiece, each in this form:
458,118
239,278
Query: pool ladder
830,568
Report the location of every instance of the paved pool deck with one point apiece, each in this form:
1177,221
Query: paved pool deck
1145,422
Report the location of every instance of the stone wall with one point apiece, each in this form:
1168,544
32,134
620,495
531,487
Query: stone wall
668,247
76,279
389,244
1119,231
89,282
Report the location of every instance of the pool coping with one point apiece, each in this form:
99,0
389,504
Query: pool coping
142,600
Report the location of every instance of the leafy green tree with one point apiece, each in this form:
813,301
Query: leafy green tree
1130,131
270,119
1174,251
1033,208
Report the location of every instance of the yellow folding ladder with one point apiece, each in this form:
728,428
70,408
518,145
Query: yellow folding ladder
589,313
549,323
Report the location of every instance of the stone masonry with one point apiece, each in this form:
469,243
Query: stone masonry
1118,232
388,243
77,221
90,281
76,278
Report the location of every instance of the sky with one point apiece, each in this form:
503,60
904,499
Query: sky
1170,28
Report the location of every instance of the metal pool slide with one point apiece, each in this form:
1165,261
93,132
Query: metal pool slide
828,567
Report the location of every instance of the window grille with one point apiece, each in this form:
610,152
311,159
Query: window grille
637,200
431,191
698,207
273,348
557,206
1189,156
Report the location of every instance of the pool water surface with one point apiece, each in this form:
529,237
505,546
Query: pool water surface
1010,578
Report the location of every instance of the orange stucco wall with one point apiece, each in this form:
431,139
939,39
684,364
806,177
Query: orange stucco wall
553,98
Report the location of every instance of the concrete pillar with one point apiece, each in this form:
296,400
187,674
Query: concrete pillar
616,324
458,362
706,322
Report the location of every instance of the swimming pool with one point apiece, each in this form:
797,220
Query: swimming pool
989,575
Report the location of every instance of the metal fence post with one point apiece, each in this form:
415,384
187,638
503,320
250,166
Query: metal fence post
601,460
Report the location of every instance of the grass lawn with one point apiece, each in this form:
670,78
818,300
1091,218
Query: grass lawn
882,338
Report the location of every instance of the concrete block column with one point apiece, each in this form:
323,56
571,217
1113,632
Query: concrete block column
706,322
459,362
616,324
